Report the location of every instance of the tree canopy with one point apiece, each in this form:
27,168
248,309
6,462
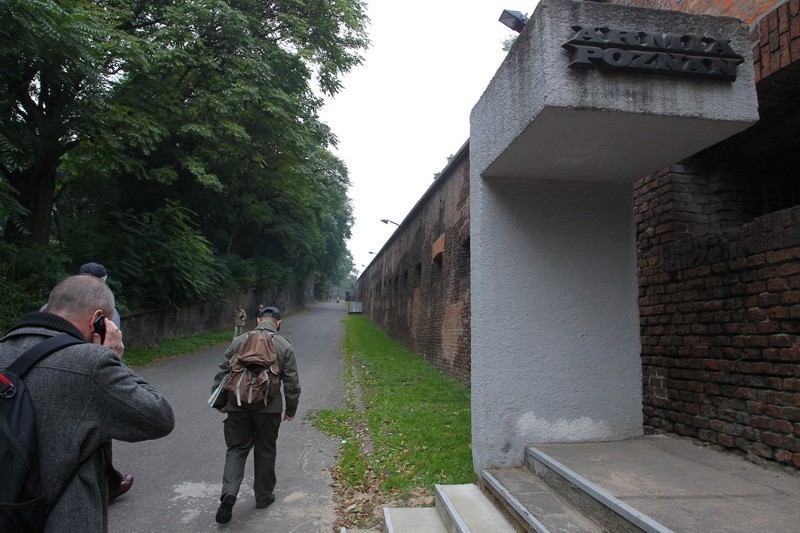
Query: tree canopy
176,141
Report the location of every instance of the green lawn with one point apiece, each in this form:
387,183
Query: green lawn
134,357
416,418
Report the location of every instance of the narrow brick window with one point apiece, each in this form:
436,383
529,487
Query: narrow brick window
436,268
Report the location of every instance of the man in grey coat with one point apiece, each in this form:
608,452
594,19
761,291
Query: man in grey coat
245,429
83,397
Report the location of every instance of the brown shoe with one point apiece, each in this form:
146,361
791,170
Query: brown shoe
123,487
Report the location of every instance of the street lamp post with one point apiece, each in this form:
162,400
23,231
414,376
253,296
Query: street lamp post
400,239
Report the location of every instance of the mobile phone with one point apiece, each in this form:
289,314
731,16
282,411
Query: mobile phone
99,325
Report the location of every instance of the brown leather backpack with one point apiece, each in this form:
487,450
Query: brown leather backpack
254,376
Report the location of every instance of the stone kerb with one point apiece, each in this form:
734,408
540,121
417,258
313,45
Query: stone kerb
540,118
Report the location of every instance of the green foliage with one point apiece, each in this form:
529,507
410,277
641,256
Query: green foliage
182,139
160,257
27,274
418,418
271,273
509,41
237,274
59,60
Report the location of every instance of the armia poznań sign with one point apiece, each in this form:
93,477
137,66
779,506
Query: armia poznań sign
655,53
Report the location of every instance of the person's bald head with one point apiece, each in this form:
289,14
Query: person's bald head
78,297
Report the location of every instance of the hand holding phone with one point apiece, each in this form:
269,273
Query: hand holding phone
99,325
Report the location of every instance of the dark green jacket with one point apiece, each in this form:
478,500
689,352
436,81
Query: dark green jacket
289,378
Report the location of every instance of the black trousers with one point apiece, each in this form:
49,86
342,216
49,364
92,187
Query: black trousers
245,431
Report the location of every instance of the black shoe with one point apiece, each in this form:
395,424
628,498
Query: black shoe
266,503
225,510
124,486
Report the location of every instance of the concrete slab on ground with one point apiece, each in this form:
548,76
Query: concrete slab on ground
686,486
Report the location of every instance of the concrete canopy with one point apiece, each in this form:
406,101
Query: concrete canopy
617,147
541,119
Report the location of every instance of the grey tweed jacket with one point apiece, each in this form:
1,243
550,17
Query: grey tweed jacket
83,397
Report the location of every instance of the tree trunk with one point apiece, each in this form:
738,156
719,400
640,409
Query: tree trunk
37,189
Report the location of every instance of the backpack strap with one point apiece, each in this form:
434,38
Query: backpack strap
28,360
24,362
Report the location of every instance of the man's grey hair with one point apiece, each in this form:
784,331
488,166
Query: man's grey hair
80,296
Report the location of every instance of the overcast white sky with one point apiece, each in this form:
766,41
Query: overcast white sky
406,108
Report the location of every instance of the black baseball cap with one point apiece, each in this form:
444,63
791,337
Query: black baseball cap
93,269
270,312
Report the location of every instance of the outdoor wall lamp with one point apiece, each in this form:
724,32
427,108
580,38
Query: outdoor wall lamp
387,221
513,19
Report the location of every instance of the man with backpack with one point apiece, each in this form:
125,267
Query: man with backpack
249,385
82,397
118,483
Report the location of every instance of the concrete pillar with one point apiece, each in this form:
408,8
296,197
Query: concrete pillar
554,149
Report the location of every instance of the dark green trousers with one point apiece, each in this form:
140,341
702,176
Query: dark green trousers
245,431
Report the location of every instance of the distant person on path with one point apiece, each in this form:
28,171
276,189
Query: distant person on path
246,429
83,397
99,271
239,320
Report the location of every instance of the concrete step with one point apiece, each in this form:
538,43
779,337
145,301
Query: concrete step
412,519
589,499
465,508
459,509
669,483
532,504
651,483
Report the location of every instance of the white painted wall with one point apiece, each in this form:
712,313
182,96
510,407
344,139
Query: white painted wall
555,321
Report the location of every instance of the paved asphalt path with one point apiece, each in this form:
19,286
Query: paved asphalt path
177,479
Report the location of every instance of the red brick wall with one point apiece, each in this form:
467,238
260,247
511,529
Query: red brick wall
417,287
776,39
719,265
775,26
720,317
747,10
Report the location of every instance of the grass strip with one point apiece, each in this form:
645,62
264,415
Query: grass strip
418,418
136,357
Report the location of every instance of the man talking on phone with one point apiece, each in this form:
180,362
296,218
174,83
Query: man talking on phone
83,396
118,483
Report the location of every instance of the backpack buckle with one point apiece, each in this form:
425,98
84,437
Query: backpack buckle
7,388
